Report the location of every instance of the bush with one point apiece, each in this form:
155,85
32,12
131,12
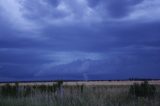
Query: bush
9,90
142,90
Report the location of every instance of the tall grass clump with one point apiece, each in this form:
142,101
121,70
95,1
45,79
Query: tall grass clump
142,90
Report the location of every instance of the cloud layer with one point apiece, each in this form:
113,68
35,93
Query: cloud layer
73,39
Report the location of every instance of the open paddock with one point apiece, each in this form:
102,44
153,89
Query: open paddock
87,83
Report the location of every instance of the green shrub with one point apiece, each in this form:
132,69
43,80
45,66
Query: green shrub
142,90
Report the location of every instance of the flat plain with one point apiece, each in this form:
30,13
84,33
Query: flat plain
77,93
87,83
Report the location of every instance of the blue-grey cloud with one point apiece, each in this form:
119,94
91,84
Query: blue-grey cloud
79,38
114,8
38,11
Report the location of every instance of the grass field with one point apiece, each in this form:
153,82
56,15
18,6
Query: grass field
103,93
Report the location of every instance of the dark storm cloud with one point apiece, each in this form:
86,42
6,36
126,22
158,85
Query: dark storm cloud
116,9
78,38
5,28
21,63
103,38
120,8
21,56
121,65
144,34
54,3
38,11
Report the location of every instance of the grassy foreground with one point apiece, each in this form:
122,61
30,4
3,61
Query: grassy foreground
78,96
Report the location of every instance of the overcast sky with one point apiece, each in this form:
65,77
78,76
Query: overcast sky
79,39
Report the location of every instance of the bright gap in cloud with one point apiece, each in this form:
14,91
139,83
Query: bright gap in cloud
68,57
146,11
12,11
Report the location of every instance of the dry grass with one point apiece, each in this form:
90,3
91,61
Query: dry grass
94,83
154,82
103,93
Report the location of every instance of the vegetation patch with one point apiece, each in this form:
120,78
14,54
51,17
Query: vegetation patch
142,90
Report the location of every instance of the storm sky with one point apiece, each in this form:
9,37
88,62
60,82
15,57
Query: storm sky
79,39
